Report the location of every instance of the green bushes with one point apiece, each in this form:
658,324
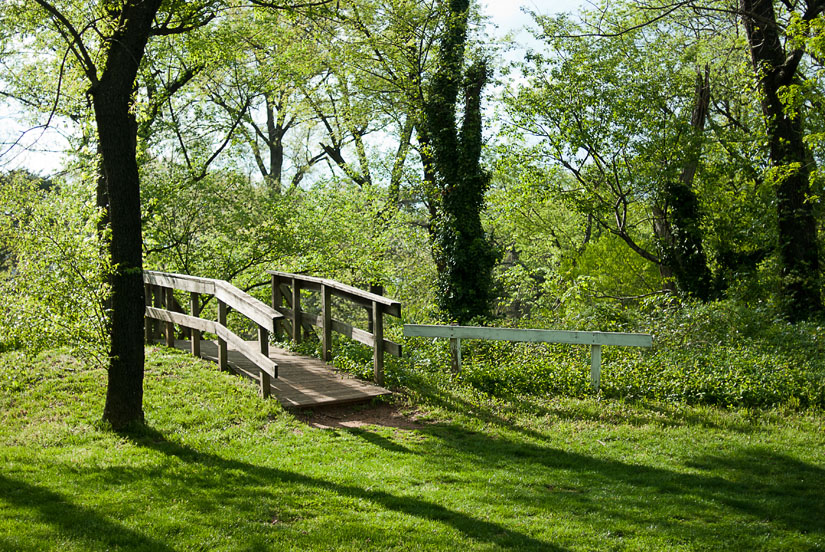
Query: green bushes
718,353
53,272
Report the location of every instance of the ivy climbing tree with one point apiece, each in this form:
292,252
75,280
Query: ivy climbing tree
451,154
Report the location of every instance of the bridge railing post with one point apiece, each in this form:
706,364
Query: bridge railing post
168,302
378,290
277,302
195,307
263,344
223,360
156,301
296,310
378,342
326,323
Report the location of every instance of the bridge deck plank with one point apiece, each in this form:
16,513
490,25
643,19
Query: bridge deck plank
302,382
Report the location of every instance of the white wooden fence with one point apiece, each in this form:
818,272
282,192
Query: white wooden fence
595,339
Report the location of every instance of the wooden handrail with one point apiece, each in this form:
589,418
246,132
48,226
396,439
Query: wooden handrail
354,294
377,305
159,288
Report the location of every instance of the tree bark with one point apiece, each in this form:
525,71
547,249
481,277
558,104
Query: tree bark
463,255
117,135
790,158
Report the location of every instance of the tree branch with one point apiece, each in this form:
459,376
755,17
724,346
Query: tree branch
76,42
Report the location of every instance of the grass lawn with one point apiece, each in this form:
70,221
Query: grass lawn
219,469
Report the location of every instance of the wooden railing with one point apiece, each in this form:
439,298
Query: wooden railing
595,339
160,307
287,288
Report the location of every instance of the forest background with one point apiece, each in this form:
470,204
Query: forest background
645,166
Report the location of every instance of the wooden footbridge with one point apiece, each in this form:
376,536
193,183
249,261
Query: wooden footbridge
294,380
303,381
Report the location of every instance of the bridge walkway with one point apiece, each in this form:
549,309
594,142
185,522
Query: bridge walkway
302,382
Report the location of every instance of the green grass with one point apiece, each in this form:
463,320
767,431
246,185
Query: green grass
216,468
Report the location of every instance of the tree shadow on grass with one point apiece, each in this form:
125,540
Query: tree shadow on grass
660,415
746,494
74,521
741,485
252,476
748,484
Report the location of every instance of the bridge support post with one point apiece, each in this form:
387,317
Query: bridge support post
265,381
296,310
326,323
378,290
223,360
156,301
168,301
277,302
378,343
195,307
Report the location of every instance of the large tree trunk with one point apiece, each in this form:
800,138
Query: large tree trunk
463,256
117,134
790,158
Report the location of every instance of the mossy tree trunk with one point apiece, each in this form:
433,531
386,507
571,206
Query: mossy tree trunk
464,256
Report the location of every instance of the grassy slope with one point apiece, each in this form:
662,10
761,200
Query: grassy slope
219,469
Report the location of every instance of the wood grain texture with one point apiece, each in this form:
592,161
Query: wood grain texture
302,382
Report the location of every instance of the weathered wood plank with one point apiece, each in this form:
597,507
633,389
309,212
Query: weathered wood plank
303,381
180,281
514,334
258,312
364,337
309,318
248,350
181,319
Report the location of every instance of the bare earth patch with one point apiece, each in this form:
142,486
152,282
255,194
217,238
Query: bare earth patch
353,416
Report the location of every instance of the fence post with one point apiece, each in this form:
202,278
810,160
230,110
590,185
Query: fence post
378,343
455,354
195,307
326,327
222,352
277,302
168,299
595,366
296,310
263,343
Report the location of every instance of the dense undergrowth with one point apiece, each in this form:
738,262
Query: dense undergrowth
720,353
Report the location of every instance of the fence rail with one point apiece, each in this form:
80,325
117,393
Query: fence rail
595,339
286,288
160,307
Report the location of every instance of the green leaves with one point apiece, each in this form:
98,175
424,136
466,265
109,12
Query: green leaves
54,281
